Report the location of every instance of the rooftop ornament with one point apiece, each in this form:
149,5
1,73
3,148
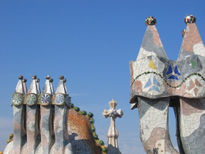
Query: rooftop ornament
150,20
47,122
112,132
158,83
190,19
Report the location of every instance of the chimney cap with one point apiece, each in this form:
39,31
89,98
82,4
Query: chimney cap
48,77
20,77
61,77
34,77
150,20
190,19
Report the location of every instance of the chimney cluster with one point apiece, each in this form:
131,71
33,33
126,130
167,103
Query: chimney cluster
40,118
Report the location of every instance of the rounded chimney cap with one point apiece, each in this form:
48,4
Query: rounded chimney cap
150,20
20,77
61,77
190,19
34,77
48,77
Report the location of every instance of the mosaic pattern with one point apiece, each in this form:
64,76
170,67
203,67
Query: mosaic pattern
31,99
174,77
167,83
154,133
59,99
192,125
152,65
155,79
17,99
150,20
173,73
45,99
189,19
194,86
153,85
193,64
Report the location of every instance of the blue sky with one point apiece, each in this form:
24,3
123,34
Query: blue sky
90,42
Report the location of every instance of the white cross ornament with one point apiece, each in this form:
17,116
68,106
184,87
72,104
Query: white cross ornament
112,132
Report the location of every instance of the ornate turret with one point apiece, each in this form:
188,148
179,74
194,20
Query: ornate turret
192,111
192,42
144,81
161,83
149,92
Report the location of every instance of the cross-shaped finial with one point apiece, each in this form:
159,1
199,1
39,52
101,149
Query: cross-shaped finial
112,112
112,132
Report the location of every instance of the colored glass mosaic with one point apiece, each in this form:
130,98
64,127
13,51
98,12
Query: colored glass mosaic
17,99
190,19
31,99
150,20
45,99
59,99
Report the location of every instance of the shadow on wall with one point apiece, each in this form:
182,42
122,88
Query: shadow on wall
113,150
82,145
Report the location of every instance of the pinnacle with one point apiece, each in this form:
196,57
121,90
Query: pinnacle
192,42
151,44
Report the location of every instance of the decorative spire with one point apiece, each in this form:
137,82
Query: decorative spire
112,132
151,44
46,92
150,20
19,86
61,95
47,89
17,97
33,87
190,19
192,42
61,89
